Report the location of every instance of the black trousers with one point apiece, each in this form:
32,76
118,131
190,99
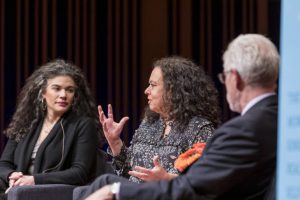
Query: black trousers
3,196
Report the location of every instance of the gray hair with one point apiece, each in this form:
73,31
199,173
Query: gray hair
255,58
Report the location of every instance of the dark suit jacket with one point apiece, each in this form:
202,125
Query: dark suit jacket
238,162
76,164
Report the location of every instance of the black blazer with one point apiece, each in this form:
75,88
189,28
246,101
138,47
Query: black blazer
55,162
238,162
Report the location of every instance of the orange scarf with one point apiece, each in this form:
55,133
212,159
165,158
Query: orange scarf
187,158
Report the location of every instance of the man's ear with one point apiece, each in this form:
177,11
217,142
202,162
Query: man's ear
240,84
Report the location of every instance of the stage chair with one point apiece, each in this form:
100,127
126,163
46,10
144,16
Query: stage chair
45,192
56,191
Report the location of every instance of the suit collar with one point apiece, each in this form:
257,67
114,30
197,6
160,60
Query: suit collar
254,101
266,102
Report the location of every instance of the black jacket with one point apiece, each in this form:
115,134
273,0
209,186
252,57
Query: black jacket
67,155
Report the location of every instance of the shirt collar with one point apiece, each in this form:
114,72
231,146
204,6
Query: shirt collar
254,101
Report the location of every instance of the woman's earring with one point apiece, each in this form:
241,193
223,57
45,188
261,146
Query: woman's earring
44,106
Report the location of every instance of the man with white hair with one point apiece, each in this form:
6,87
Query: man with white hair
239,161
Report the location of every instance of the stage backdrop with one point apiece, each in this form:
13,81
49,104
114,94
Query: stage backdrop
288,181
115,42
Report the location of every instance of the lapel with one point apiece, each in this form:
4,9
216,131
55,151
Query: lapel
40,153
26,147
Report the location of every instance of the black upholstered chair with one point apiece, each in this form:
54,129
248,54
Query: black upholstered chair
56,191
78,191
45,192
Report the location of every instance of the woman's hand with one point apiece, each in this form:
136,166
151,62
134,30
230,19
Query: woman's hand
154,174
24,180
18,179
12,179
112,130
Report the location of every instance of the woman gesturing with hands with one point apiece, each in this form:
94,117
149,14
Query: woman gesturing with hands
182,110
112,130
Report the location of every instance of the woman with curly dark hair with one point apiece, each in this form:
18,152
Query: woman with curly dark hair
182,110
54,132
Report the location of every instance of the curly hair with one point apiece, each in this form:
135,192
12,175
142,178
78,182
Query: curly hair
188,92
30,105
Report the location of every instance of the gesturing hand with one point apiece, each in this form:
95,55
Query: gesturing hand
112,129
156,173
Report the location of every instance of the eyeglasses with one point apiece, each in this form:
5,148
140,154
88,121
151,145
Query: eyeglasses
222,76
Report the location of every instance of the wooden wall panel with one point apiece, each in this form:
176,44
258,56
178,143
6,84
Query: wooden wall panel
185,28
154,38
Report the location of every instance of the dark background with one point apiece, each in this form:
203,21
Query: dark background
115,42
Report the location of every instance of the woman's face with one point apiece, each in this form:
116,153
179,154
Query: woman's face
155,91
59,95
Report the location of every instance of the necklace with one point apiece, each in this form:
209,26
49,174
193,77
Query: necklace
169,123
167,128
46,129
48,126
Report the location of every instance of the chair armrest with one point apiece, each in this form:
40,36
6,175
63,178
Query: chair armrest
78,192
45,192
